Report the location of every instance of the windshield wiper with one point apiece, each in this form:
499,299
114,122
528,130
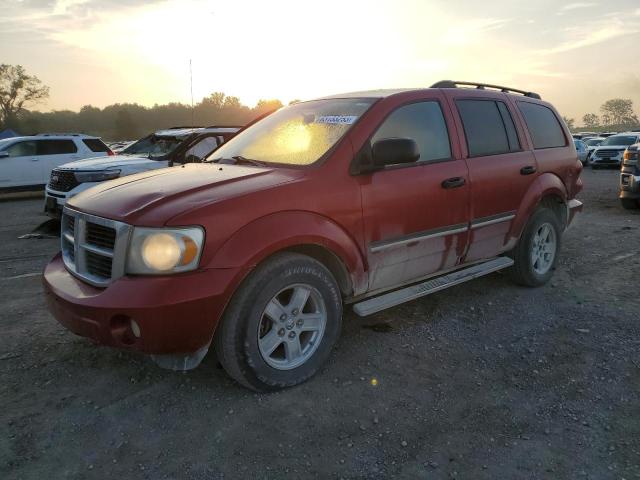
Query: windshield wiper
250,161
236,159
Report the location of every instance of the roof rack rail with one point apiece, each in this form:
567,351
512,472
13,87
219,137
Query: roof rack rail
482,86
182,128
60,134
224,126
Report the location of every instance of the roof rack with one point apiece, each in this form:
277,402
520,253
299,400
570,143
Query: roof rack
224,126
61,134
182,128
482,86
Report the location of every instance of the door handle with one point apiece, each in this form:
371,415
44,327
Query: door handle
454,182
528,170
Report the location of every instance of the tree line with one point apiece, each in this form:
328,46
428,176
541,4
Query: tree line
615,115
121,121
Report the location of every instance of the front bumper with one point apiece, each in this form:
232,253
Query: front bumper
629,186
54,200
174,314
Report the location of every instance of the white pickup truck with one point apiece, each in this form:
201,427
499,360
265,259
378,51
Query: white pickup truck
161,149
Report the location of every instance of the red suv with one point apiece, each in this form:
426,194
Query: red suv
371,198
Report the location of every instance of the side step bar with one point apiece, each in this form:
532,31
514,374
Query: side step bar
391,299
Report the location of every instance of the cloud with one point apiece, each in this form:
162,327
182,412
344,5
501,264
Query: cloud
578,5
587,34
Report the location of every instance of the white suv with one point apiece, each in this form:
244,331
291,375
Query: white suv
26,162
611,150
161,149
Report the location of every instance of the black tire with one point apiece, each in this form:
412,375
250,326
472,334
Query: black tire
629,203
236,338
523,272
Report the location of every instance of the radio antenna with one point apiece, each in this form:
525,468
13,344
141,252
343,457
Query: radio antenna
191,81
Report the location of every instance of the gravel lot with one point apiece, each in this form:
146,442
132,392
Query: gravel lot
483,381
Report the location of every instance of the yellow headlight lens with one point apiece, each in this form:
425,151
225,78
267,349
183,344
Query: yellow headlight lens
161,251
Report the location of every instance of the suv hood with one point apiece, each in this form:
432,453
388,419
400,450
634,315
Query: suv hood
152,198
611,147
105,163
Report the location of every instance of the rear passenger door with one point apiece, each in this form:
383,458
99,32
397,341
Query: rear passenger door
415,215
501,170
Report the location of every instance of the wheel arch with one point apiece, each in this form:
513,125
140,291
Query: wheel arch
547,190
301,232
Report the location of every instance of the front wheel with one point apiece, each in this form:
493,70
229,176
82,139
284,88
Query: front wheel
281,324
536,254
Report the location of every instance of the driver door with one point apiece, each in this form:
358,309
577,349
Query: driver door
416,215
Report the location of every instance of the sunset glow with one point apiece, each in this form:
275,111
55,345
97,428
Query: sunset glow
140,51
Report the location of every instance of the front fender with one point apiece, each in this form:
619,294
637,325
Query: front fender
545,185
269,234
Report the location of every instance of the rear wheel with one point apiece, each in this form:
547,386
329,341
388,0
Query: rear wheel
629,203
281,324
536,253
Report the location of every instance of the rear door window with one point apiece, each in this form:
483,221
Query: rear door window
488,127
95,144
422,122
543,126
56,147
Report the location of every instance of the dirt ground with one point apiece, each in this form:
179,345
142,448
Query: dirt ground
483,381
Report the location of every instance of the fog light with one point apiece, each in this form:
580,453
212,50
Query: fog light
135,328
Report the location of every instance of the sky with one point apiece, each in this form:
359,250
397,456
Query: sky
576,54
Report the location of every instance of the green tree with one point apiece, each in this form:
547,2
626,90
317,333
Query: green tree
570,122
17,91
591,120
618,111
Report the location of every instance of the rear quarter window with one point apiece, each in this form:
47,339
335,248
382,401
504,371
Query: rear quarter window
544,127
95,144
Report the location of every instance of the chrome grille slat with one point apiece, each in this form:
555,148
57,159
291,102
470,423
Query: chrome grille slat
93,248
62,180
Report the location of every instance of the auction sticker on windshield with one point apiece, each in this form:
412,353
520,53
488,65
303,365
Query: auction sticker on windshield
337,119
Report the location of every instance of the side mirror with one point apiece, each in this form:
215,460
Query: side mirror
394,151
4,154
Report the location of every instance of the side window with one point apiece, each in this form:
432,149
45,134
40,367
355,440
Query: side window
543,126
22,149
201,149
488,127
56,147
422,122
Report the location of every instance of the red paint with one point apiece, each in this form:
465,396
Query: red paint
249,213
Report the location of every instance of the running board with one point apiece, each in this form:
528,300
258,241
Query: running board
391,299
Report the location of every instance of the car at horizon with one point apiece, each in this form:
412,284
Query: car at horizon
610,152
26,162
368,199
164,148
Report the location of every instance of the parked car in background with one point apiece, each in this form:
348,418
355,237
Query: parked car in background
321,204
609,153
581,149
159,150
26,162
592,143
583,135
630,178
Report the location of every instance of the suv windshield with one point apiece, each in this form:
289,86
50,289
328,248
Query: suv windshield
296,135
619,140
154,146
593,142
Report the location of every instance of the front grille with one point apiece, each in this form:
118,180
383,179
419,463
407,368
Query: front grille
62,180
93,248
100,236
608,153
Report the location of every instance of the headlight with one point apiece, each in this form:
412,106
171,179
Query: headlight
155,251
84,177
